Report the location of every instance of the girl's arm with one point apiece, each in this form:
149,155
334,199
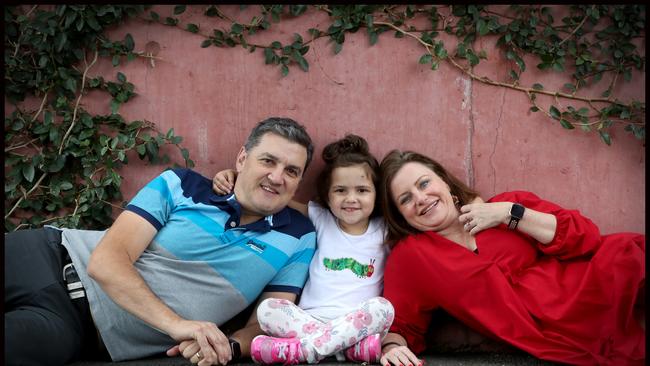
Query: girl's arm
224,181
298,206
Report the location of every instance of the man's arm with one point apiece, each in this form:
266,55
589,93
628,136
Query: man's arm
111,265
243,336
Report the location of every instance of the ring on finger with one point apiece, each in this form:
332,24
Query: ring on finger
199,355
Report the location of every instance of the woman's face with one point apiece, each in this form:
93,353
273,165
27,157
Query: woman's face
423,198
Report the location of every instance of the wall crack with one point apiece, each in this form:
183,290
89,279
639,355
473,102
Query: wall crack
496,142
469,154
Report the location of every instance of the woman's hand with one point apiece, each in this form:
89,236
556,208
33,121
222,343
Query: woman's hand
224,181
398,356
480,216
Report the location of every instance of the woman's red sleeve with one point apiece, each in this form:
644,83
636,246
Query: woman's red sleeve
575,235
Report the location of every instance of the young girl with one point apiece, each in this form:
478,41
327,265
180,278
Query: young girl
340,312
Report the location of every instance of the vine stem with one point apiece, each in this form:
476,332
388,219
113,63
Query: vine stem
74,117
76,107
320,66
26,194
113,205
223,16
10,148
487,80
611,85
576,28
40,109
21,33
74,212
31,10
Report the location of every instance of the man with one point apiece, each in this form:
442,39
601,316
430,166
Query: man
173,267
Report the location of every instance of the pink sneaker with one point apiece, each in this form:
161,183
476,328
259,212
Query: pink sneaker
366,350
267,350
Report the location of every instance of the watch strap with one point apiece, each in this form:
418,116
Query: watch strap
516,213
235,349
513,223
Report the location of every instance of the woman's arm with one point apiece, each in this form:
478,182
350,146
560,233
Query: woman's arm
480,216
567,234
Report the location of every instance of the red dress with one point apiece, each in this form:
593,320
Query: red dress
570,301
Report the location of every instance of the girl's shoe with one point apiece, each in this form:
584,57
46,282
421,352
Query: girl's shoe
366,350
267,350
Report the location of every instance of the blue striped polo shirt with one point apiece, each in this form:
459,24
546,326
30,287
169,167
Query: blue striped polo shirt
201,262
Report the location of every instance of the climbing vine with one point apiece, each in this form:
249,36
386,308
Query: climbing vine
62,162
588,44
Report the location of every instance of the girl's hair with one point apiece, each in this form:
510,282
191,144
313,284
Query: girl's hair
348,151
397,226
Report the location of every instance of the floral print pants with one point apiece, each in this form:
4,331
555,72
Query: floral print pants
282,318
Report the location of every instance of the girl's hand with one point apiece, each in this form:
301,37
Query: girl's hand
399,356
224,181
480,216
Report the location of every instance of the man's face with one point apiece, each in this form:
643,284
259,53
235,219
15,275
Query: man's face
268,175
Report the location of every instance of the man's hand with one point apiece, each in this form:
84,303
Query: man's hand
224,181
203,343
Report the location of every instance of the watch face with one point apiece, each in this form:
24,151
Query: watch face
517,211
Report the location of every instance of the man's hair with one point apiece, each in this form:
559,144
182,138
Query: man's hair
284,127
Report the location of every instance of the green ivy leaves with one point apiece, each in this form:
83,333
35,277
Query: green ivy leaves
61,162
520,30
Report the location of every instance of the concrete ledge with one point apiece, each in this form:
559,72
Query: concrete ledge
449,343
448,335
459,359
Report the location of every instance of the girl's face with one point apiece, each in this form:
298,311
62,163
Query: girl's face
351,197
423,198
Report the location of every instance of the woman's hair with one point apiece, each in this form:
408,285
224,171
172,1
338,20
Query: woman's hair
348,151
397,226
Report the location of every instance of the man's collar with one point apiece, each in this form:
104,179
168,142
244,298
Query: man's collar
229,204
221,199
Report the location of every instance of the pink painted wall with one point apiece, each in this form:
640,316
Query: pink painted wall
484,134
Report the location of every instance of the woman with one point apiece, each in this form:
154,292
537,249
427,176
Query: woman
516,268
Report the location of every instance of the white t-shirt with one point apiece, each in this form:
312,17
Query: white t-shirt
346,269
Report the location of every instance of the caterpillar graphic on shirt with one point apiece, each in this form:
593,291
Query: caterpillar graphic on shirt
359,269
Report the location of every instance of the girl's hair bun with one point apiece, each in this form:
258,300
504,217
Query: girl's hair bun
350,144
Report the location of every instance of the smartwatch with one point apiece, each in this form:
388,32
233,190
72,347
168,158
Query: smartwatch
235,349
516,213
